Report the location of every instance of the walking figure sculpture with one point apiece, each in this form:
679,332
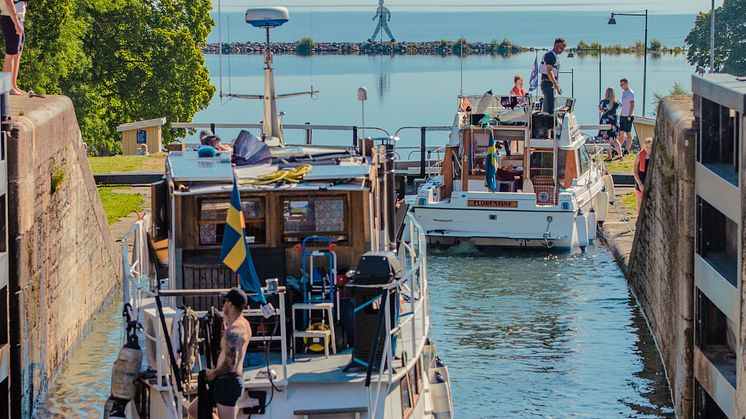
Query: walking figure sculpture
384,16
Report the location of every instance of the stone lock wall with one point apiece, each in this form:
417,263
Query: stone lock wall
661,268
64,264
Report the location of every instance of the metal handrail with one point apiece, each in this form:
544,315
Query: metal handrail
412,256
308,128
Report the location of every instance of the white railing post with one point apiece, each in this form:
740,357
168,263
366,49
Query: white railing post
284,345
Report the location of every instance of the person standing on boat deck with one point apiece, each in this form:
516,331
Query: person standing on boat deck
226,380
607,109
12,14
641,165
549,70
518,89
627,116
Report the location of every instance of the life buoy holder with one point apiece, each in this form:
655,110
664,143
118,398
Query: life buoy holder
314,344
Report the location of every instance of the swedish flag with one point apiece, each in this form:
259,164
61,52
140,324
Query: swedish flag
491,170
235,252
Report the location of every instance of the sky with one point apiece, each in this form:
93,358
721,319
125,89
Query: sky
657,6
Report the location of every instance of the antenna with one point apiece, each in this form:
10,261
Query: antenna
220,50
230,77
461,61
269,18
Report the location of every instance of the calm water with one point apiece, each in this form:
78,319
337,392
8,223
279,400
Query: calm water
544,336
414,90
589,26
524,335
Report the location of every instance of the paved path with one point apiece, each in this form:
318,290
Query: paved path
619,229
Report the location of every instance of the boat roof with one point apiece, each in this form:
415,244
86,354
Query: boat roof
331,168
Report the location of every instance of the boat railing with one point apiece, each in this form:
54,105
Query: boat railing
423,152
138,274
307,128
412,285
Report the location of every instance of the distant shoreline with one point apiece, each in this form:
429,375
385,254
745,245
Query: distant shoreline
308,46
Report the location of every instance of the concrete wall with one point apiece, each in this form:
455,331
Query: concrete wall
661,268
63,261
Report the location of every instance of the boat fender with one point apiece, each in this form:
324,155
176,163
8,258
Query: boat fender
438,378
609,186
439,363
126,370
591,220
602,206
581,229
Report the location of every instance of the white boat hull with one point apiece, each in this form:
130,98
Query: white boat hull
506,219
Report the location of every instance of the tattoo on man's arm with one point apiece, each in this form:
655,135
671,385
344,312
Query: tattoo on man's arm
230,361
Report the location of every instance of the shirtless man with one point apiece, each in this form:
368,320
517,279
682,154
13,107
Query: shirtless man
226,380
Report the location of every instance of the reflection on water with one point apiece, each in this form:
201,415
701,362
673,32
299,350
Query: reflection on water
544,335
524,335
82,386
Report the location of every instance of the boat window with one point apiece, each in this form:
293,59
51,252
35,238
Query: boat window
585,160
542,163
309,216
406,397
213,213
479,144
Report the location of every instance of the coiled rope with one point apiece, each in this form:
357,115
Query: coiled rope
292,176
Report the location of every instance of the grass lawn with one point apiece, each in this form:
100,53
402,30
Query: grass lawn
629,201
621,166
119,202
111,164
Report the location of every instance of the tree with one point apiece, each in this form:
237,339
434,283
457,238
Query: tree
730,33
119,61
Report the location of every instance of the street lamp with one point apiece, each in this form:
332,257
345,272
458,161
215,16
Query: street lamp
612,21
598,50
572,80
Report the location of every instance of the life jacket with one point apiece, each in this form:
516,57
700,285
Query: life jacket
555,67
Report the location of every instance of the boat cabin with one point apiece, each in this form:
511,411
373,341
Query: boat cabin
331,200
529,143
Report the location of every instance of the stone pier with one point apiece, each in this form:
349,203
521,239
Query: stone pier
63,263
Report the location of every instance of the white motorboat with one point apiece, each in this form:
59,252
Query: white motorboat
347,331
549,190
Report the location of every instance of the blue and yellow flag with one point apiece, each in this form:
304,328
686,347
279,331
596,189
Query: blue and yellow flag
491,170
235,251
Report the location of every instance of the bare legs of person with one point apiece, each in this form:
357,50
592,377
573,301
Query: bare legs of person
638,196
10,65
617,145
224,412
626,138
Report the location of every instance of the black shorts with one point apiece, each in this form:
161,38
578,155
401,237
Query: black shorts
13,42
226,389
625,124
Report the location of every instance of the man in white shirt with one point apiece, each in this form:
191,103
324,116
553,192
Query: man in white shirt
12,13
626,118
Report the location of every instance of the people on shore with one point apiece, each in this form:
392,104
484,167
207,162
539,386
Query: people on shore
143,150
627,115
607,109
12,15
225,381
641,166
518,89
549,70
